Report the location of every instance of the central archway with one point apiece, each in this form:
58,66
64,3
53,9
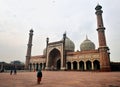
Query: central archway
54,59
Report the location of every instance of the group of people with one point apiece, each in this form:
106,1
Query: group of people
39,74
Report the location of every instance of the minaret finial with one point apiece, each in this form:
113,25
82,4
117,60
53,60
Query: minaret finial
98,7
98,3
47,40
64,35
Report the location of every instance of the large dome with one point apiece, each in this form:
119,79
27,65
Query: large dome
69,45
87,45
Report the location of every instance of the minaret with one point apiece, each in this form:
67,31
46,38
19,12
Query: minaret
28,55
47,59
64,52
47,41
103,49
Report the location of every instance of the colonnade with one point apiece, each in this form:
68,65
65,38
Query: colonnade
71,65
37,66
83,65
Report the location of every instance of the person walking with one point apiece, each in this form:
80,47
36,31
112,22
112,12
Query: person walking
39,76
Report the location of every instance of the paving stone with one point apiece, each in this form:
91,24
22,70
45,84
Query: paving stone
61,79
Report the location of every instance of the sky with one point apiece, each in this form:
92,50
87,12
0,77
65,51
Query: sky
51,18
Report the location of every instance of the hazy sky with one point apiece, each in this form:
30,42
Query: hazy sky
51,18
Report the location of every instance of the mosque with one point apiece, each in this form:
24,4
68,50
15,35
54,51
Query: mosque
60,55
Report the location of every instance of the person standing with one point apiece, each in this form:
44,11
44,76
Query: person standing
11,72
39,76
15,71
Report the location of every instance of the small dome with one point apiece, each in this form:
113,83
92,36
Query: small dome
69,45
31,30
98,7
87,45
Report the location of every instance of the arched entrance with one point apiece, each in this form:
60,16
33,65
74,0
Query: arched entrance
81,64
96,64
37,67
40,65
54,59
88,65
69,65
74,65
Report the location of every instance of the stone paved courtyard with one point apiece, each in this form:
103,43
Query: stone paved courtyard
61,79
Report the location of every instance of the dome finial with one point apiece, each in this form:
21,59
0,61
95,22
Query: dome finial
86,37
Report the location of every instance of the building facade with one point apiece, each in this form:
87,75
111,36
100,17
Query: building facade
60,55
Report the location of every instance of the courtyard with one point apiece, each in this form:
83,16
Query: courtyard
61,79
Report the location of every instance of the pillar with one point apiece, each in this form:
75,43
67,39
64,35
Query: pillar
78,67
71,65
92,66
85,66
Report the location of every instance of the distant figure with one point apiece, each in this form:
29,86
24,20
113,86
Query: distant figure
39,76
15,71
2,70
11,72
52,68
